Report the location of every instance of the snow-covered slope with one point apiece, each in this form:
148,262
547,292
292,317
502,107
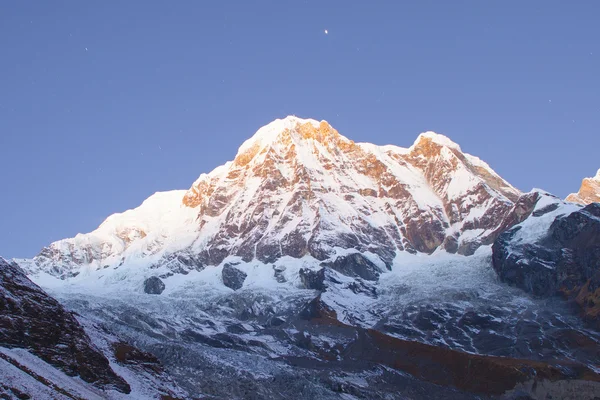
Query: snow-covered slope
589,192
160,224
297,189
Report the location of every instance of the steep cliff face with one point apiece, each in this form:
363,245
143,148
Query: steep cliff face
298,188
589,191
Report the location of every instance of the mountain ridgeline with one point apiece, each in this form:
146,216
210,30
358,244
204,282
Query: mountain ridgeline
298,188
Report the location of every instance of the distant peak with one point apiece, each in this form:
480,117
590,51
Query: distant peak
594,178
589,192
436,138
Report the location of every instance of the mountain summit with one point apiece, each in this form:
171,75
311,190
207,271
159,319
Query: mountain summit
589,191
298,188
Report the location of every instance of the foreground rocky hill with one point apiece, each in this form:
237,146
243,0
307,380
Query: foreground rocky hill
43,349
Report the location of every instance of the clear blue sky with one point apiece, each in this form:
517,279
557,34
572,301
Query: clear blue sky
104,103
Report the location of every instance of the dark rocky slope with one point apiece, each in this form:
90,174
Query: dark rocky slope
563,260
34,324
32,320
471,373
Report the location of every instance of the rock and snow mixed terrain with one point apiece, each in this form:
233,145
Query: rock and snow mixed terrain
555,251
45,352
311,266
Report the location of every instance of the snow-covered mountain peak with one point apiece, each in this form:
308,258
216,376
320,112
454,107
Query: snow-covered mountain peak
281,134
589,192
270,133
439,139
298,188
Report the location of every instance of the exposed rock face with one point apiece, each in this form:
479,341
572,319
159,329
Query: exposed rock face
278,273
473,373
316,310
232,277
589,191
128,355
588,298
32,320
297,188
521,210
355,265
154,285
559,254
313,279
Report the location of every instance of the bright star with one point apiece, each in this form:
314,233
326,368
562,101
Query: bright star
326,31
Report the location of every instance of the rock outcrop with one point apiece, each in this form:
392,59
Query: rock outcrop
232,277
32,320
589,191
154,285
354,265
313,279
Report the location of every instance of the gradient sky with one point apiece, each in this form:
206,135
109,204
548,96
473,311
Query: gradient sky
104,103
